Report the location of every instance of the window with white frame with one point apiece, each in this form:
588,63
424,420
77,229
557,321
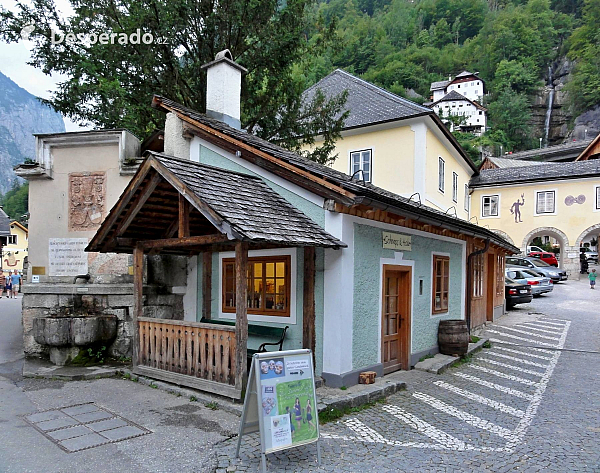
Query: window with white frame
441,173
489,205
11,240
361,161
455,187
597,197
467,197
545,202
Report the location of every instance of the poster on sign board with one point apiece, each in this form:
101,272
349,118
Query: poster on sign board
281,401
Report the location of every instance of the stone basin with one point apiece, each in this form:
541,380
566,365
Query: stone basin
78,331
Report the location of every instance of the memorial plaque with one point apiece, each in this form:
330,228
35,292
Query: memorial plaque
67,256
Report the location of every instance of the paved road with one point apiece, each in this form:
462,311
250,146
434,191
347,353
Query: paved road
529,403
184,434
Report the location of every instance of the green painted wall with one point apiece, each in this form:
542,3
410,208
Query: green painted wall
368,252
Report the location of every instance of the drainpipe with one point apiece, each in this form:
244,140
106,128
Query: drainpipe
470,279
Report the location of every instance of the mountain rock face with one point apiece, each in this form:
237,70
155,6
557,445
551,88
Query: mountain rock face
21,115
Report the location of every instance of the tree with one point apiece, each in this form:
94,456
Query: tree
16,201
510,120
517,76
111,85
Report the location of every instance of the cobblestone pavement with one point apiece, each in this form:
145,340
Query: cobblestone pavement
528,403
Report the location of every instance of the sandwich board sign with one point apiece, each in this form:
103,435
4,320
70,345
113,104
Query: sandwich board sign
281,402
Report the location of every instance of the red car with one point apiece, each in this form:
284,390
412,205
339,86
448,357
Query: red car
545,257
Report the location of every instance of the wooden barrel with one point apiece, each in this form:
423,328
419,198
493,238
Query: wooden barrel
453,337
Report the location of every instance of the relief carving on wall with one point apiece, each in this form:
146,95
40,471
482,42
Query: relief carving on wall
87,197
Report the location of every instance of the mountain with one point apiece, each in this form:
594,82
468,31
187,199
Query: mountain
21,115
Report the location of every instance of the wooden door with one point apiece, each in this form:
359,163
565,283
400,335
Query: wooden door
395,318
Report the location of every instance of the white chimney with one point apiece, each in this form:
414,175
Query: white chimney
223,88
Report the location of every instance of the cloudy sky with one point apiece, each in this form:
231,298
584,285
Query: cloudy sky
13,63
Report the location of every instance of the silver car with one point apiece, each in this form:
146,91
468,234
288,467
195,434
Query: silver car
539,283
528,262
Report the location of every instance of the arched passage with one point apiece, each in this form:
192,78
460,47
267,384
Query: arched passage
594,229
569,255
505,236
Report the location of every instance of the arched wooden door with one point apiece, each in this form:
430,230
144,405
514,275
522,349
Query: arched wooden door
395,318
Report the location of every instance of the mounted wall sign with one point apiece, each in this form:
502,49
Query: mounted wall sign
570,200
281,402
397,241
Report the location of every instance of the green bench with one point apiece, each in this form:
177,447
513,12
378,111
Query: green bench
274,333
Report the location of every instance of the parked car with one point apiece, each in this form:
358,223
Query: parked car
539,283
556,274
534,248
590,255
516,293
545,256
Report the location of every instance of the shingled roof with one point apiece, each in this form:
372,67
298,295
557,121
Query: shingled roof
442,84
251,207
4,224
367,103
360,191
512,163
562,152
241,206
545,172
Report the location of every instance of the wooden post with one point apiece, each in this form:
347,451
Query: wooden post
184,217
241,313
308,312
138,298
206,284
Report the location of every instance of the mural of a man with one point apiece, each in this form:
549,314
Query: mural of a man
516,209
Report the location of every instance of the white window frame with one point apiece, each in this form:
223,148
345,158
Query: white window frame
467,206
454,187
535,206
497,206
361,163
596,207
441,174
11,240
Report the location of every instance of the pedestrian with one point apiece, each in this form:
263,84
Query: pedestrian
8,286
592,278
15,279
2,282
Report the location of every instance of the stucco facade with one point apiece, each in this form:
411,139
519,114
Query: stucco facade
575,217
15,251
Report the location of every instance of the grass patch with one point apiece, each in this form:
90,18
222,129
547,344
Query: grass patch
193,398
426,357
464,360
334,413
487,344
213,406
153,386
343,388
474,339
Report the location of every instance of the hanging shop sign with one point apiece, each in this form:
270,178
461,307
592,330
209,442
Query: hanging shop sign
281,402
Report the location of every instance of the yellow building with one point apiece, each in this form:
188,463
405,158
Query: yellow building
398,145
16,248
558,200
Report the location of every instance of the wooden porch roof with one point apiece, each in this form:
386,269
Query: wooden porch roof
178,206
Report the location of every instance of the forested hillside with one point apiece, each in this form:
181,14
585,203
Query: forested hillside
405,45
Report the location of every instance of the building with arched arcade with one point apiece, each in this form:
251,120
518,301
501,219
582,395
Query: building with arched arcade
559,201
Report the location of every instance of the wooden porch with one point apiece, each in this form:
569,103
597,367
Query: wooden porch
164,211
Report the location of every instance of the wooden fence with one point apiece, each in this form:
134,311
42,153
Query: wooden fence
188,353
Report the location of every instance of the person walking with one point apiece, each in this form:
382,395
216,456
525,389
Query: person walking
2,282
15,279
592,278
8,286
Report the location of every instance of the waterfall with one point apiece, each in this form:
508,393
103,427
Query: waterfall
549,109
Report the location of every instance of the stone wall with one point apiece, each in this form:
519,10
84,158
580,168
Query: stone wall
64,300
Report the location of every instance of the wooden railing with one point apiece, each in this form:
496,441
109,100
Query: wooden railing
188,353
